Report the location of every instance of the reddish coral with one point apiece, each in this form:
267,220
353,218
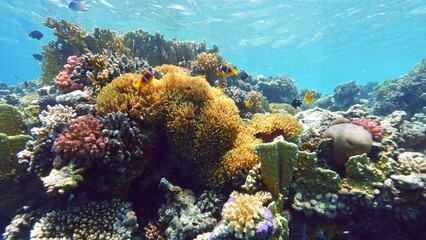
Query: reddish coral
83,138
373,128
63,79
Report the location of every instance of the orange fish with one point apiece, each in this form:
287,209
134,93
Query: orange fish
309,96
146,79
226,71
221,86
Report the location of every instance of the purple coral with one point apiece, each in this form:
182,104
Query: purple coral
81,139
265,229
372,127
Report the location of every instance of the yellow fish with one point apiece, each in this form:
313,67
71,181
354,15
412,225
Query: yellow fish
248,103
309,96
221,86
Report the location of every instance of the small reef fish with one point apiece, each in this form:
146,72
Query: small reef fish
146,79
38,56
248,103
226,71
36,34
78,6
221,86
309,96
296,103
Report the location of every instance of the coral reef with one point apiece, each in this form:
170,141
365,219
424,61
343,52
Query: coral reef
402,94
182,216
54,119
63,80
346,95
279,89
206,64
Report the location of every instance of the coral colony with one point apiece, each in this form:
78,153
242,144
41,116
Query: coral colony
197,153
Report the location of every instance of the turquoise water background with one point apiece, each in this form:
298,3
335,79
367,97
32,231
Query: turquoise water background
320,43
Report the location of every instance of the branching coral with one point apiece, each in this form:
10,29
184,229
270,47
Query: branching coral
82,139
273,125
103,220
410,162
373,128
63,80
54,118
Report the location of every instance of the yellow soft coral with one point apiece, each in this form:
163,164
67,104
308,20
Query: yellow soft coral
277,124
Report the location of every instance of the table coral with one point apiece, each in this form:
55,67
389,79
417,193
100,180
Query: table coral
82,139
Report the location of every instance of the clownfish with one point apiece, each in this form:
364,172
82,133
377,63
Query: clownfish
226,71
146,79
309,96
221,86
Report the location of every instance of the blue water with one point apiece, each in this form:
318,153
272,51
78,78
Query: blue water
320,43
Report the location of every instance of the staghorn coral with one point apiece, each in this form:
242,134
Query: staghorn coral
82,139
273,125
94,220
54,119
373,128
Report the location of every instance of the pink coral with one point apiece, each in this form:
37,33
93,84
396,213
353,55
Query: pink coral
373,128
82,138
63,79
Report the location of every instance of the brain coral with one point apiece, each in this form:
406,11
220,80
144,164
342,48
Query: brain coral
348,140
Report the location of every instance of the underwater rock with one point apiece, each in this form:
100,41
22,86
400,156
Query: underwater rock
348,140
72,97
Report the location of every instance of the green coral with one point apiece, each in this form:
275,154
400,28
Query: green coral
11,122
361,173
9,147
312,179
278,161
